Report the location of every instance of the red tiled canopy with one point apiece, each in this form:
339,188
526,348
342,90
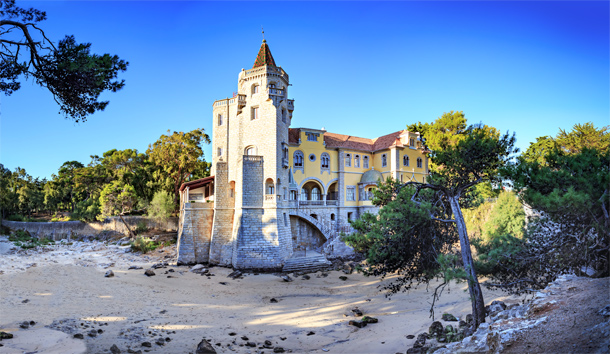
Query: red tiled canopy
264,56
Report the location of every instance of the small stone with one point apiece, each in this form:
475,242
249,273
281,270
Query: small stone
232,334
305,277
92,333
222,283
368,319
5,335
100,331
78,336
358,324
436,329
273,300
278,350
449,317
251,344
134,267
168,339
25,301
25,325
343,277
32,323
114,349
204,347
410,336
235,275
109,274
149,272
163,311
160,341
286,278
282,338
146,344
311,333
357,312
244,338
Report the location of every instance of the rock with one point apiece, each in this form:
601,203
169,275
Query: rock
222,283
32,323
449,317
134,267
305,277
158,265
5,335
199,269
449,329
244,338
100,331
25,325
79,336
204,347
436,329
421,340
232,334
92,333
109,274
357,312
605,311
469,318
146,344
160,341
462,324
496,306
286,278
358,324
25,301
343,277
114,349
368,319
273,300
311,333
268,344
236,274
278,350
410,336
251,344
149,272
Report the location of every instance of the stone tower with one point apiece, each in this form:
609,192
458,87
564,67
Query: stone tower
251,227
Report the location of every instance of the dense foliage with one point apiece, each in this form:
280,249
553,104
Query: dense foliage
74,76
118,182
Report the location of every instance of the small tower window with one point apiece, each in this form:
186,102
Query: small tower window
220,119
254,89
269,187
348,160
219,151
250,150
365,162
384,160
325,161
412,142
254,113
298,159
419,162
357,161
405,160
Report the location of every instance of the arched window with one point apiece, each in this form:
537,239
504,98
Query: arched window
365,162
269,186
384,160
332,217
405,160
348,160
315,193
304,194
357,161
325,161
254,88
220,119
298,159
250,150
419,162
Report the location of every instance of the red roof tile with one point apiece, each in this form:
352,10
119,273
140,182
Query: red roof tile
197,183
264,56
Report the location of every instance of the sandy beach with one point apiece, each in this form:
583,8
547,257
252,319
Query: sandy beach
64,288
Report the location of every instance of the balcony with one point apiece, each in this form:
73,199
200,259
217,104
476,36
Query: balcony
311,202
332,202
290,104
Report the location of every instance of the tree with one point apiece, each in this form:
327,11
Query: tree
179,157
117,199
73,75
161,206
461,157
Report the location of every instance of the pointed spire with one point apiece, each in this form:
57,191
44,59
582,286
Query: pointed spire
264,56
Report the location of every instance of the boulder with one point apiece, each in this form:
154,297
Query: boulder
286,278
436,329
109,274
199,269
368,319
149,272
114,349
358,324
449,317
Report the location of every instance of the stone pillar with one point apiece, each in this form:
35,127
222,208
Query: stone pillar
221,246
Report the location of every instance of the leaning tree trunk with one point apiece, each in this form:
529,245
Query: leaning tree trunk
474,288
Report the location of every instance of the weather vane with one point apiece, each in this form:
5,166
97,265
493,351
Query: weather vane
263,31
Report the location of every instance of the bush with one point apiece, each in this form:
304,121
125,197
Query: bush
23,239
161,206
141,228
144,245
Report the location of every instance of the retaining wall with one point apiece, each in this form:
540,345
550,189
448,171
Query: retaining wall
65,229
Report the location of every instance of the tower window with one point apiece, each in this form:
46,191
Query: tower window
384,160
419,162
220,119
325,161
351,193
298,159
365,162
250,150
254,113
219,151
254,88
348,160
405,160
412,142
357,161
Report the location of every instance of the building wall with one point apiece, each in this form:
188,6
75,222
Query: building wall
195,233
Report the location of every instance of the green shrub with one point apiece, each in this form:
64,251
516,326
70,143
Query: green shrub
23,239
141,228
86,210
144,245
15,217
161,206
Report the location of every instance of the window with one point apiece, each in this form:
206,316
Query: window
419,162
269,187
285,194
283,115
369,193
349,216
298,159
365,162
357,161
332,217
315,193
254,113
315,216
220,119
351,194
412,142
254,88
285,220
304,194
250,150
312,157
312,136
384,160
219,151
293,195
405,160
348,160
325,161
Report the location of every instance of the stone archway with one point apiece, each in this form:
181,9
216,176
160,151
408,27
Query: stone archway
307,232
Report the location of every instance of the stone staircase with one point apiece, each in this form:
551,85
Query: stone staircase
312,262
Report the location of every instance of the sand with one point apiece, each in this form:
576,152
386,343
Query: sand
67,283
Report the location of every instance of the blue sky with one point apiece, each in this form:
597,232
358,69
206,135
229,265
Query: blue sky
357,68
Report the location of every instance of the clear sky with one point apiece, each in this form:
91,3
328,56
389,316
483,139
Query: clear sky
357,68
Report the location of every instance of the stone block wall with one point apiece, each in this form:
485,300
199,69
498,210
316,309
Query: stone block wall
221,247
195,233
